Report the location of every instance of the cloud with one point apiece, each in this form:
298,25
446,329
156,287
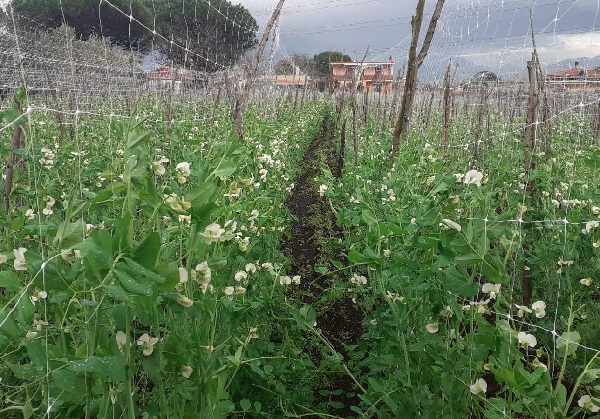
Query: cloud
571,45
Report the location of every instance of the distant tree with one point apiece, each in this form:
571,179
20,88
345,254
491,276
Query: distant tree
213,34
323,59
287,65
485,77
89,18
216,33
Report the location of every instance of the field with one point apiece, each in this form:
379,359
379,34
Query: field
153,264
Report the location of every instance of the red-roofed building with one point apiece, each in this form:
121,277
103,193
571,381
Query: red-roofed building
169,76
370,76
576,78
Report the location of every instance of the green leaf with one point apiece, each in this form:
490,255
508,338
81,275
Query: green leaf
369,218
245,404
112,367
356,257
117,292
135,269
113,188
225,169
305,317
68,382
146,252
561,396
169,271
9,281
24,311
567,343
96,251
202,216
135,139
8,325
469,259
69,234
17,223
459,283
201,195
132,285
590,375
27,372
442,187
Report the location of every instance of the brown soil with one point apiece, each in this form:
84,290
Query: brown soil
339,319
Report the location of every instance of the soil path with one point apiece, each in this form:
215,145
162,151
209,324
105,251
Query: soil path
339,319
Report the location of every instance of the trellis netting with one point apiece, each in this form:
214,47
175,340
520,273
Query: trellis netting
143,261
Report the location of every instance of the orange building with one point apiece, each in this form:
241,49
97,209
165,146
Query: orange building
371,76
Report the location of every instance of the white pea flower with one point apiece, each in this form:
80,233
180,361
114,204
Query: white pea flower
538,364
358,279
586,402
240,275
203,273
479,386
121,339
147,343
253,215
38,295
586,281
526,339
3,259
212,233
596,210
322,190
522,310
491,289
473,177
539,308
589,226
296,279
285,280
250,267
186,371
452,224
183,275
30,214
268,266
432,327
183,169
229,291
184,301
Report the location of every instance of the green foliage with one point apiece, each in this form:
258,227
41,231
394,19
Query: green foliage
107,306
322,60
217,22
89,19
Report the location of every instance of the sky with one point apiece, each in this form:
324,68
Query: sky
477,34
491,35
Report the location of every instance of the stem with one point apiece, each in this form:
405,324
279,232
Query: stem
578,383
161,391
332,349
128,369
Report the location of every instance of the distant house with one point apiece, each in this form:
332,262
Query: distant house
575,78
370,76
287,80
169,77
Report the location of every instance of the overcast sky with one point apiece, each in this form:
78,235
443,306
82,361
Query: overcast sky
490,34
477,34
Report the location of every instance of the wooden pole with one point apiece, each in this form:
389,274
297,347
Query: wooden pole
414,62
